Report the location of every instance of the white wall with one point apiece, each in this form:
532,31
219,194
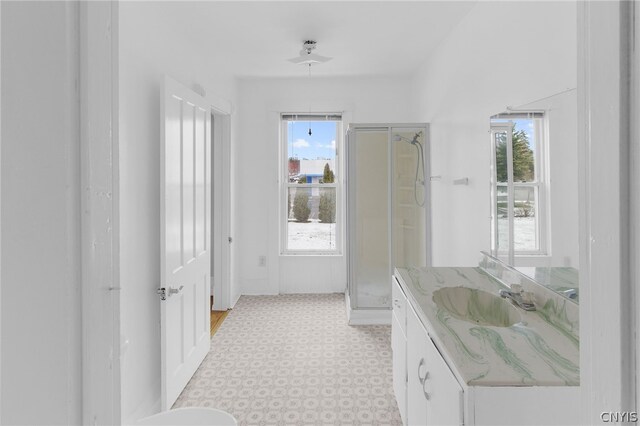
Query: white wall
150,46
608,186
635,185
41,306
256,172
501,54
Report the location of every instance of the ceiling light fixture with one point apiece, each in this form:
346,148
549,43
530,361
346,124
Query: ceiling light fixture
306,57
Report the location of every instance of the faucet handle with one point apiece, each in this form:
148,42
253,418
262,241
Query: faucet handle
517,288
528,297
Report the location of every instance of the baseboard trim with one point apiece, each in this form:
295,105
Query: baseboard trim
235,300
367,316
150,406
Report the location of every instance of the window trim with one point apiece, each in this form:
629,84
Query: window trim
540,184
338,183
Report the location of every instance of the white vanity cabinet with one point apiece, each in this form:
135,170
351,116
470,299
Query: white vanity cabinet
434,396
431,391
426,390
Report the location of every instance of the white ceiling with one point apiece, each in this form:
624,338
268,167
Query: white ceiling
363,38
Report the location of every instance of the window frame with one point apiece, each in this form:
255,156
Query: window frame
285,185
540,185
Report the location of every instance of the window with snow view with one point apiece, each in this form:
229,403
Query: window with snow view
312,183
518,184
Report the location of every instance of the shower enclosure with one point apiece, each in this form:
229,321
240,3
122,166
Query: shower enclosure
387,193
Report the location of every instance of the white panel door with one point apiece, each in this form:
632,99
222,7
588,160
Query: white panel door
185,211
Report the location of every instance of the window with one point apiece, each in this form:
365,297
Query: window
311,183
518,185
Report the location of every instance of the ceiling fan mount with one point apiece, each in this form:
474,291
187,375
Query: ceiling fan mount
307,47
308,58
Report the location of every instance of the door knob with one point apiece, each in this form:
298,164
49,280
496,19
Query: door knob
164,292
175,290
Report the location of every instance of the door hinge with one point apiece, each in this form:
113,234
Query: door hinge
162,292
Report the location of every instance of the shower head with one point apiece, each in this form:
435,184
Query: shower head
416,137
419,163
413,141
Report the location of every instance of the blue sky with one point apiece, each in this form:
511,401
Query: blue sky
321,143
526,125
521,124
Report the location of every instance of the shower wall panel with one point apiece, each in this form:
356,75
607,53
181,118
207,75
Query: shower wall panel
371,219
408,199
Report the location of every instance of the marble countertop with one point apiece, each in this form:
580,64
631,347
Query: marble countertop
540,350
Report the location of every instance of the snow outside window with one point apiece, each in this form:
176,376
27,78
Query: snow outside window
311,184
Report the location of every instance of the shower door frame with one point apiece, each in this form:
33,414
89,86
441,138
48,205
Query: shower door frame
379,315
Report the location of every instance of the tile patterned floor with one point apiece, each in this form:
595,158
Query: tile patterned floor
292,359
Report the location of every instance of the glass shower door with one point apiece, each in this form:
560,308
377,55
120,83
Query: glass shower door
369,213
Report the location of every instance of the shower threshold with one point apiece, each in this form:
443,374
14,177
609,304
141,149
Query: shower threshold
370,316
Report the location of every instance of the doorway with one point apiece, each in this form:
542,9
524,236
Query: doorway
221,239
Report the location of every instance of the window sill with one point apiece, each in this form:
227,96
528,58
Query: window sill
310,254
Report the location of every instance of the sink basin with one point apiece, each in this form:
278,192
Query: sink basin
477,306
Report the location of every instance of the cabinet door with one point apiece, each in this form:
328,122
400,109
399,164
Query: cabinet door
399,350
443,391
434,396
417,340
399,304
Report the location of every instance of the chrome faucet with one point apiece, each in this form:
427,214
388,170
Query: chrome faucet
519,297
